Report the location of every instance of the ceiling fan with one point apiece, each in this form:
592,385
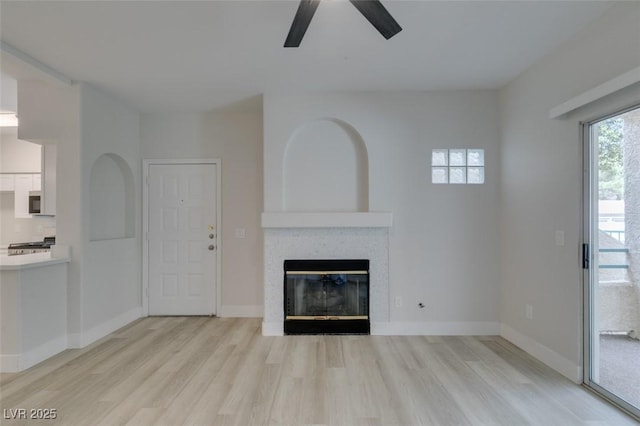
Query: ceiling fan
373,10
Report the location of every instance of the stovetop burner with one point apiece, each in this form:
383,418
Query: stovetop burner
31,247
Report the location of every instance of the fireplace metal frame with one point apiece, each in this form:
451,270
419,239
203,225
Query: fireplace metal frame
326,324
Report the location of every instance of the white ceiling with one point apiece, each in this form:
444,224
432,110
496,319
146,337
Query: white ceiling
199,55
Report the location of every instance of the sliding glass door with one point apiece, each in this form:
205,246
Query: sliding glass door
611,257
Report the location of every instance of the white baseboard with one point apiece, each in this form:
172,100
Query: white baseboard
42,352
20,362
241,311
562,365
272,328
108,327
74,341
409,328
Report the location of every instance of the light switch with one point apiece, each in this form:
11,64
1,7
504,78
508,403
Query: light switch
240,232
560,238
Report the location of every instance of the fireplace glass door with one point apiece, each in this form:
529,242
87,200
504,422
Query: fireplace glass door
338,295
315,293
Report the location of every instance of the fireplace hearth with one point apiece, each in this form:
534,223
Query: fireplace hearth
326,296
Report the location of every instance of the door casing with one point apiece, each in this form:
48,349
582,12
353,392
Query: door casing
146,164
589,182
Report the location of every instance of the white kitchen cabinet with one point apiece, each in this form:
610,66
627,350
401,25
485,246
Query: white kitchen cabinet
37,181
6,182
22,185
49,159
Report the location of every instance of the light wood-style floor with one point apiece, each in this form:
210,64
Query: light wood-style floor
221,371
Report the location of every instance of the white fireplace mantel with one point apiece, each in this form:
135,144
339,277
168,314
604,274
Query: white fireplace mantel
325,235
334,242
327,220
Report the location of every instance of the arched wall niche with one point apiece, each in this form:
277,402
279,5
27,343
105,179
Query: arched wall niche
326,168
111,197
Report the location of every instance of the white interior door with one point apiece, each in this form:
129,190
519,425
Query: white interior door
182,239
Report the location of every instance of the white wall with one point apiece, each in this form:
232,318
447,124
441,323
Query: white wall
444,244
325,154
112,202
8,94
236,138
542,183
15,230
103,288
111,292
50,113
18,156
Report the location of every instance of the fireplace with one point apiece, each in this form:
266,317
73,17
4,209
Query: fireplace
326,296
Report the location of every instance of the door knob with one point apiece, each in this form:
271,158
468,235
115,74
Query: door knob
212,247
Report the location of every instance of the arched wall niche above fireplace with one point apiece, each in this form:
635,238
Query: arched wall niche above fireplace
326,169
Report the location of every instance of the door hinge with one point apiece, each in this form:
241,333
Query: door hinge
585,256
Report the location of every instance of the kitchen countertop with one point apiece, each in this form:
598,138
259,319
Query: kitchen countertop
34,260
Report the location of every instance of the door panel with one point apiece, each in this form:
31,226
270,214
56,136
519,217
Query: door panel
612,219
182,256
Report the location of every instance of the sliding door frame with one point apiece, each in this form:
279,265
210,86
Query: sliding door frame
590,255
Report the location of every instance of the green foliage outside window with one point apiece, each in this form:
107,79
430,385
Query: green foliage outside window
611,169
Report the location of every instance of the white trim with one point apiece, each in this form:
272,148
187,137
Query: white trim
587,158
74,341
410,328
35,64
275,328
562,365
327,220
241,311
20,362
146,163
219,240
108,327
598,92
144,291
42,352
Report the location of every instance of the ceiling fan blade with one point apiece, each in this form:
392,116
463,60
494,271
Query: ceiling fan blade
301,22
379,17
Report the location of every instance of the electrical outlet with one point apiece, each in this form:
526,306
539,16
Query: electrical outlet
398,301
528,312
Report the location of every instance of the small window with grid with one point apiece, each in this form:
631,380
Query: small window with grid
457,166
